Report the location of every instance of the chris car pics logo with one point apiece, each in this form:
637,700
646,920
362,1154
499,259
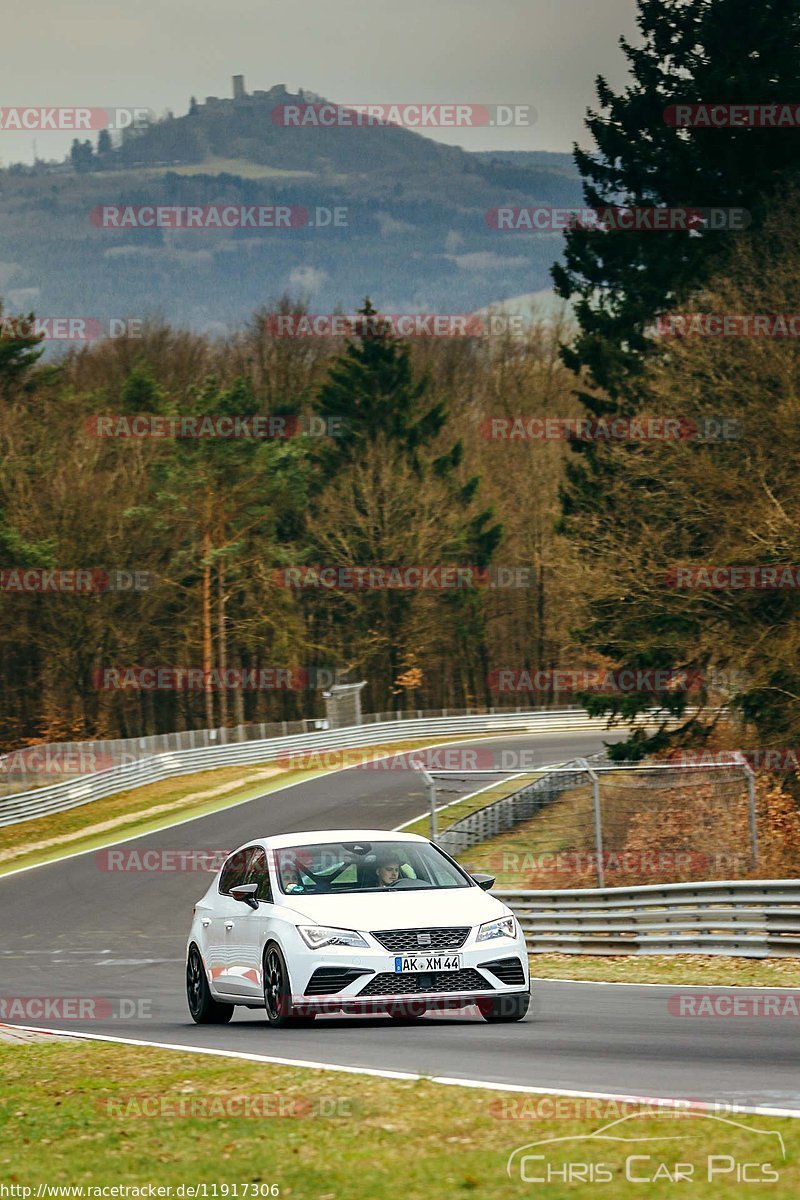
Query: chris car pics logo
688,1146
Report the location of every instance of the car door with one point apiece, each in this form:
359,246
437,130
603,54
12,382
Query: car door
223,956
250,928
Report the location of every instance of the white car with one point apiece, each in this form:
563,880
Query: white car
352,920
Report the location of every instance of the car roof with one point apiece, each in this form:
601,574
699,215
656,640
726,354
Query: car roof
311,837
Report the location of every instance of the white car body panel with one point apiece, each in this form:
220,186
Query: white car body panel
231,936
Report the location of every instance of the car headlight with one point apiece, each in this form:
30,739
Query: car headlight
317,936
505,927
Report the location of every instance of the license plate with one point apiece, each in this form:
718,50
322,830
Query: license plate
407,964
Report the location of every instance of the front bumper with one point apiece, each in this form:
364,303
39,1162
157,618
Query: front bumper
365,980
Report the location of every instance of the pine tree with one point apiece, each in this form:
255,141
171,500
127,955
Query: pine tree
692,52
381,405
82,156
371,393
371,390
19,351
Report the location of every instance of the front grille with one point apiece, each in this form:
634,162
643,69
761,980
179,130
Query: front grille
327,980
389,984
507,970
406,939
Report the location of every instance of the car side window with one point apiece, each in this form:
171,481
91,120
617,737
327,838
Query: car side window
235,870
258,872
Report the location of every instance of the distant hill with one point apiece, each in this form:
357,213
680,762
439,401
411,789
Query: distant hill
550,160
416,236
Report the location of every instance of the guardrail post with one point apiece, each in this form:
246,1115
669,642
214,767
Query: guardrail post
598,821
431,786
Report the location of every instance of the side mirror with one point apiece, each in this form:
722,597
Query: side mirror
246,892
484,881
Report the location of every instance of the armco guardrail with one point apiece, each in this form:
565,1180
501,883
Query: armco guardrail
24,766
26,806
753,919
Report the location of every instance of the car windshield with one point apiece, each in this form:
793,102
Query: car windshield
364,866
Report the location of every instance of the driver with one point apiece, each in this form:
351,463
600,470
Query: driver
388,870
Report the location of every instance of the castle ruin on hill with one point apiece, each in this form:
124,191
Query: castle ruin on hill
241,98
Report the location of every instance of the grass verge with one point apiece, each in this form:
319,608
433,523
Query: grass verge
513,857
488,794
724,970
73,1114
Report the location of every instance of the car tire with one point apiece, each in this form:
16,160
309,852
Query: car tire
204,1009
278,991
505,1008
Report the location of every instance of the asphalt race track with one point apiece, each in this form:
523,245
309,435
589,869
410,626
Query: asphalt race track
74,929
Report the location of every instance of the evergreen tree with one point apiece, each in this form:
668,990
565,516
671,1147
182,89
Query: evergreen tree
692,52
382,406
19,351
372,393
371,390
82,156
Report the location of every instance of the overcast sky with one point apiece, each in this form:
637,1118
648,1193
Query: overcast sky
157,53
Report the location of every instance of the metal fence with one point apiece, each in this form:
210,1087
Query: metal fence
658,822
757,919
504,814
372,732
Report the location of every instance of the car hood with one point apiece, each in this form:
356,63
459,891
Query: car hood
399,910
